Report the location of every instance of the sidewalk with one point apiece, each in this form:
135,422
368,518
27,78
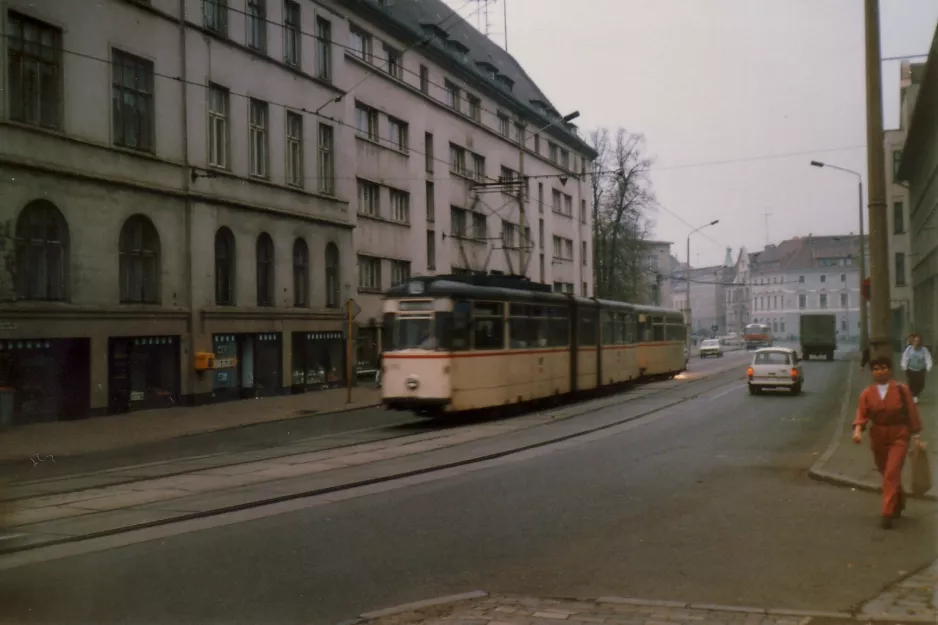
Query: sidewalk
852,465
66,438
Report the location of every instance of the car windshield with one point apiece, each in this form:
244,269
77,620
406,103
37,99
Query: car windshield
711,343
772,358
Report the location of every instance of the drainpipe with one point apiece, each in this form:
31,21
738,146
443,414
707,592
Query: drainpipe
186,185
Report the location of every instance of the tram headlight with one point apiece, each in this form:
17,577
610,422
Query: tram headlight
412,383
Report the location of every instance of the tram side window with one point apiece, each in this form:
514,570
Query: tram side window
387,332
527,327
462,315
559,328
609,328
587,337
488,326
657,329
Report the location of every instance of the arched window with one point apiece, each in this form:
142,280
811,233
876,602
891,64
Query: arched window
300,273
265,270
224,267
332,276
41,269
139,262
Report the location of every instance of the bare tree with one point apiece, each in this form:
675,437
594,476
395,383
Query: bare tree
622,201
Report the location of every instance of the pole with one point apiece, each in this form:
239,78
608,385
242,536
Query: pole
690,328
348,351
521,218
864,314
879,237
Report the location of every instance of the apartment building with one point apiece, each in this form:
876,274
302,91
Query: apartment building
708,286
807,274
193,189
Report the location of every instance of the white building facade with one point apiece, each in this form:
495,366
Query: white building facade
181,178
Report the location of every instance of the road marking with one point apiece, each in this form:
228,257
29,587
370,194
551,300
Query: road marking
727,391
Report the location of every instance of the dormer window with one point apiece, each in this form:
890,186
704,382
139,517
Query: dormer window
433,31
458,49
506,81
539,105
490,70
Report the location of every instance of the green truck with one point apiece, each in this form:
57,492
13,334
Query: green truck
818,335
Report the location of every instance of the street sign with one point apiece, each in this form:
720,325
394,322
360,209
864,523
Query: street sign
865,289
353,308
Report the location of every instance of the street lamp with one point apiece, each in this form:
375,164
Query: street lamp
687,275
864,331
521,187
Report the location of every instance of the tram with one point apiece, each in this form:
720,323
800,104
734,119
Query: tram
460,343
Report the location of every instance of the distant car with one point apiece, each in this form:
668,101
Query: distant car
711,347
686,355
775,367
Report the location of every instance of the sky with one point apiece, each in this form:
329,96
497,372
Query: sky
768,85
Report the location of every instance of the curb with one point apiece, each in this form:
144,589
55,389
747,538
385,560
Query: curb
725,608
352,485
817,472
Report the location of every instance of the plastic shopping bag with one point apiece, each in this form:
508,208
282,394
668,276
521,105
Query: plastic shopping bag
921,471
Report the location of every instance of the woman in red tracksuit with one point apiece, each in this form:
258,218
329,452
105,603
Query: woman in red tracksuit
888,405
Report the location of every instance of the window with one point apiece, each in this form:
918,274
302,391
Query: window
801,279
294,149
567,205
508,234
583,254
132,99
395,62
400,206
457,159
458,222
332,276
397,134
843,277
480,229
41,268
431,203
431,250
360,43
323,49
540,233
224,267
291,33
215,15
558,247
552,151
428,152
896,161
217,126
540,197
900,269
257,24
265,270
557,201
504,125
537,144
475,108
488,324
369,195
843,300
366,120
823,278
517,132
452,95
898,218
35,72
369,273
582,211
823,301
568,249
139,261
326,160
564,159
478,167
400,272
802,301
258,139
300,273
424,79
583,292
506,175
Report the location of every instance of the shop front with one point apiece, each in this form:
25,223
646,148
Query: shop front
143,373
318,360
44,380
246,365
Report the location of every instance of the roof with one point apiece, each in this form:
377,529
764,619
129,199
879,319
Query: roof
414,16
803,253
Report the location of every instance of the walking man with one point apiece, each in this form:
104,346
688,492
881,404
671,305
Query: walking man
916,362
888,405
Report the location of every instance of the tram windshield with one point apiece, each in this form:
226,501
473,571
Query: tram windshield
413,332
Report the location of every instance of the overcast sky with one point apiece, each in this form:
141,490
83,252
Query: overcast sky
722,80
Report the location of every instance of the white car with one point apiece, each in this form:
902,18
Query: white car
775,367
711,347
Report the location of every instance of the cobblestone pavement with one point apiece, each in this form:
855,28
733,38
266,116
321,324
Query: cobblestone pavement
481,609
915,596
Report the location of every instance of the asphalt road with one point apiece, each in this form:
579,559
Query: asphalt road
707,502
368,424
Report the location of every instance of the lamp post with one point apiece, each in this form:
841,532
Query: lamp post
521,186
864,329
690,327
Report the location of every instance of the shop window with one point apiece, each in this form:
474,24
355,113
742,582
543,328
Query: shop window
318,360
139,262
41,265
143,372
224,267
44,380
